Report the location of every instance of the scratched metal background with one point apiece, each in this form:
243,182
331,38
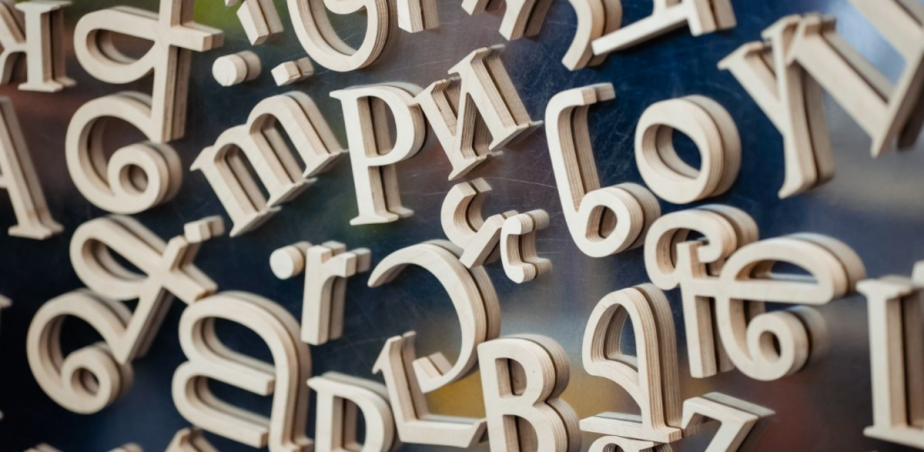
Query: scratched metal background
876,206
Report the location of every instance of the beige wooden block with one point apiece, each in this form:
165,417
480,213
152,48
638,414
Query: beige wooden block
702,16
417,15
20,179
711,129
339,397
651,378
602,221
740,422
209,359
190,440
465,226
729,268
896,336
292,71
259,19
481,89
91,378
518,246
527,393
326,268
318,37
36,29
236,68
373,153
260,144
472,296
413,420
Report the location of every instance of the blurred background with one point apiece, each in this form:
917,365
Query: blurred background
875,206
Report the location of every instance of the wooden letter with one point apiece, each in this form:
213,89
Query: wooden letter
168,271
804,56
703,16
621,444
602,221
339,396
412,415
417,15
712,130
465,226
453,107
522,18
35,28
472,295
318,37
190,440
19,178
651,378
141,175
518,246
374,174
896,357
729,267
741,422
527,392
210,359
326,268
595,18
261,144
173,34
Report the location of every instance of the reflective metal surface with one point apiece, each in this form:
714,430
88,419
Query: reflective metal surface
876,206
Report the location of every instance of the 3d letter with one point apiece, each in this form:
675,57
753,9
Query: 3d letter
527,392
339,396
190,440
374,175
142,175
518,246
168,271
522,18
472,295
651,378
897,357
595,18
260,143
703,16
412,415
740,281
741,423
319,38
716,137
35,28
326,268
804,56
210,359
602,221
453,107
466,227
19,178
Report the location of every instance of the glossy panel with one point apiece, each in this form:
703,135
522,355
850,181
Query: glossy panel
876,206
